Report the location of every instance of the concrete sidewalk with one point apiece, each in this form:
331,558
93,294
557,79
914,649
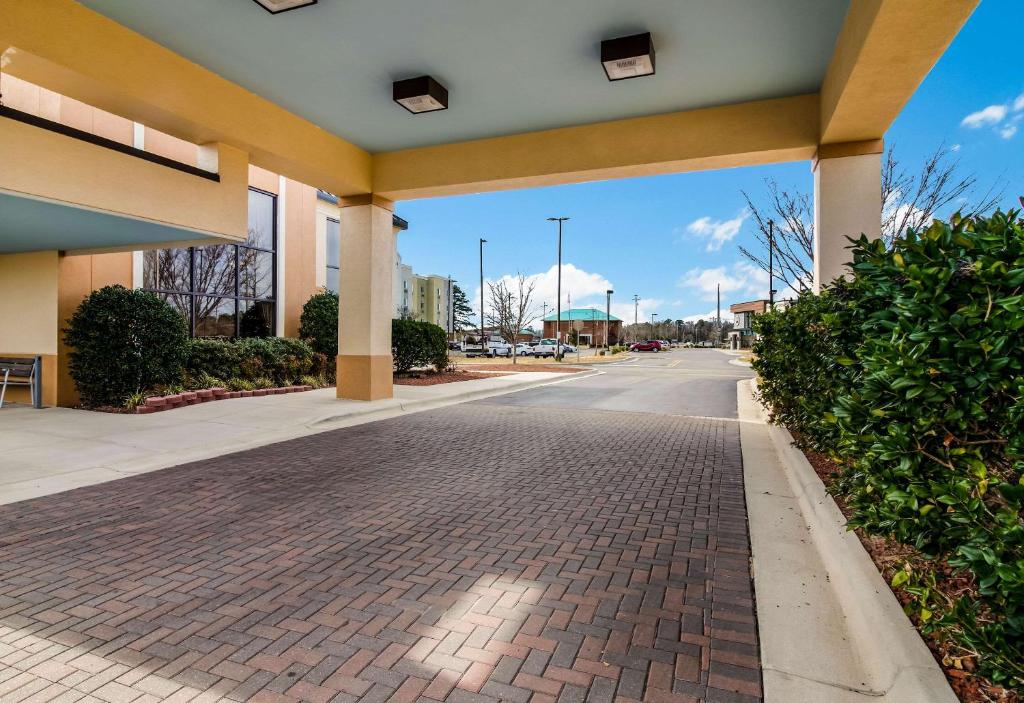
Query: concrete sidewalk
57,449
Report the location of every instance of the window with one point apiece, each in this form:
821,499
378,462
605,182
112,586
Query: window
333,255
224,290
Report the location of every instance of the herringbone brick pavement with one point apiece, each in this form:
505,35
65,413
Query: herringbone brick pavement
475,553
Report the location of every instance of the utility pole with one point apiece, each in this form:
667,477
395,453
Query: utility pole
608,318
771,264
636,311
483,344
718,315
558,317
653,315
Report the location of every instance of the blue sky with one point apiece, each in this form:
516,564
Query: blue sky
670,239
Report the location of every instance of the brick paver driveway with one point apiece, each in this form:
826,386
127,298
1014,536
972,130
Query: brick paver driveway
483,552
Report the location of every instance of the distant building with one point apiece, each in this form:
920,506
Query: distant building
589,323
742,335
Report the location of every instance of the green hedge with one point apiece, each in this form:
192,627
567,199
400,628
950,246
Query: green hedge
318,323
282,360
124,342
417,344
912,376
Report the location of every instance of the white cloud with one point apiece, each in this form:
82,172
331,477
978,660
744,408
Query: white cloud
1003,118
583,288
991,115
955,148
718,232
742,281
710,315
627,312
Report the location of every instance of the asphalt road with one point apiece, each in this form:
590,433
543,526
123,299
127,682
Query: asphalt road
697,382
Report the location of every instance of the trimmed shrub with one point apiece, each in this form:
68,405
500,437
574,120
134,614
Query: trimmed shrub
912,375
416,344
280,359
124,342
318,324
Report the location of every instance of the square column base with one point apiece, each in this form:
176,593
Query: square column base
364,377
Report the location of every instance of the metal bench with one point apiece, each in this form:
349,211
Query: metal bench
22,372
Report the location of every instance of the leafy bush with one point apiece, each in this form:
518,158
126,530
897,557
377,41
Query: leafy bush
416,344
318,323
282,360
912,375
124,342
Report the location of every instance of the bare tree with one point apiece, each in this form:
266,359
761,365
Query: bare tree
512,310
909,200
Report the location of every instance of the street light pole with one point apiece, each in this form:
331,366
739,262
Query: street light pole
558,317
653,315
608,318
771,264
483,345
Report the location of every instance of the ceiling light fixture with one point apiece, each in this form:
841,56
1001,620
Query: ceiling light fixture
277,6
422,94
628,57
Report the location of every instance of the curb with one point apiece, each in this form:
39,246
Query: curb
859,644
431,403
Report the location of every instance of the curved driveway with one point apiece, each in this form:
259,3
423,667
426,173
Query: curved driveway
584,541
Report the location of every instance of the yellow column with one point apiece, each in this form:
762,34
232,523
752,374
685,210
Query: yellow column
365,309
29,324
847,203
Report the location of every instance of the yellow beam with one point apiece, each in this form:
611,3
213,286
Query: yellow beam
766,131
884,50
64,46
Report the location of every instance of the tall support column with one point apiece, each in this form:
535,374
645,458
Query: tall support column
365,309
847,203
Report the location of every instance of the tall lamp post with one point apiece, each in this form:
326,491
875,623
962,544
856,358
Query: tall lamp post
558,316
607,318
653,315
636,313
483,345
771,264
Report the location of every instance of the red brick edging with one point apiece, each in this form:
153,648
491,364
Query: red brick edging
159,403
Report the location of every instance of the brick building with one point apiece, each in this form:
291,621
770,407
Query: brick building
589,323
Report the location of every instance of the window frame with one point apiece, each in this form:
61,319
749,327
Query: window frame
236,296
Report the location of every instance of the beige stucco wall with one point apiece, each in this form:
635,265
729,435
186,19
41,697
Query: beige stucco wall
847,203
28,303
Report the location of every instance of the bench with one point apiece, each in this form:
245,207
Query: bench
22,372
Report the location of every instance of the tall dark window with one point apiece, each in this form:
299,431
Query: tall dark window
333,255
225,290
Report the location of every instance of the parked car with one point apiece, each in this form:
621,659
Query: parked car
524,349
651,345
454,346
494,346
546,348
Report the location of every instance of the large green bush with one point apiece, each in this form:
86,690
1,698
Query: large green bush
926,385
318,323
416,344
282,360
124,342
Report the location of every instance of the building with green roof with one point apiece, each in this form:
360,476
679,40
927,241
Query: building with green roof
592,325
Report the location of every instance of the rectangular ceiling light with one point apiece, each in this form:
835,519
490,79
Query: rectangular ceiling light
422,94
628,57
276,6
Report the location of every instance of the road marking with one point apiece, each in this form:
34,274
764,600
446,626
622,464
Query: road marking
675,363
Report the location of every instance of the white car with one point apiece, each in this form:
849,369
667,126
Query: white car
524,349
546,348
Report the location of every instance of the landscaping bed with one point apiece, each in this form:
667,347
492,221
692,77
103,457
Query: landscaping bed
159,403
433,378
904,384
892,557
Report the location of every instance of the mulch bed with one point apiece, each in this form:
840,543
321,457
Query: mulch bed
556,368
889,557
431,378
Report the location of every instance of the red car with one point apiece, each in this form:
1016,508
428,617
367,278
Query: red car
650,345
